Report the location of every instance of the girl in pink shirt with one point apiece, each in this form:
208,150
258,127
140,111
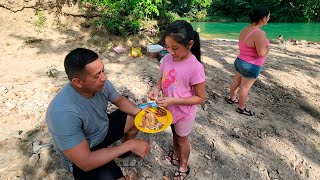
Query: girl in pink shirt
182,83
253,47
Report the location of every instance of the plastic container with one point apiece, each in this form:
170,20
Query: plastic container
154,48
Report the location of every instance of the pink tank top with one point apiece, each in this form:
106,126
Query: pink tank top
249,54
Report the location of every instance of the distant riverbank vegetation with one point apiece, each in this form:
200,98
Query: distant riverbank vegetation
127,17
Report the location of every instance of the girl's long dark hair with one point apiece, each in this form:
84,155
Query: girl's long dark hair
182,32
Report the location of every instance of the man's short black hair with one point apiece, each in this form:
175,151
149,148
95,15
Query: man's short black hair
76,60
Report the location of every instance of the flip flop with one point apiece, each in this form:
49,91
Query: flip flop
173,161
230,101
245,112
182,175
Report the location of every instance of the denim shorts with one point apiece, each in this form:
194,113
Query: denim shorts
246,69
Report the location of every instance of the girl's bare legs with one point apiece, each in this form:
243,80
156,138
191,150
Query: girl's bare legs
245,86
181,149
234,86
184,152
176,153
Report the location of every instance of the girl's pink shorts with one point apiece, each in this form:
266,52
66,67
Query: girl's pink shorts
183,127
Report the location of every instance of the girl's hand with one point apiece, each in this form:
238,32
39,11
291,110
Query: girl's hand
165,101
153,94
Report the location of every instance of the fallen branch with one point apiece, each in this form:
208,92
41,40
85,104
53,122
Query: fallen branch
37,7
18,10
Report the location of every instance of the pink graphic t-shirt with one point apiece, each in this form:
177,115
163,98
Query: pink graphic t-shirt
177,81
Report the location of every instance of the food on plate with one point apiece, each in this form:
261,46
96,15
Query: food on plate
160,112
150,121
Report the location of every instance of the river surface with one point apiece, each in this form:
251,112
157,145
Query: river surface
298,31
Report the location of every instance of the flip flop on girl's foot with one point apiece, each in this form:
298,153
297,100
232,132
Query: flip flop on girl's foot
182,175
230,101
245,112
172,160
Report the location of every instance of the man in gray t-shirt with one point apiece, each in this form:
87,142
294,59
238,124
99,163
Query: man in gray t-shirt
80,126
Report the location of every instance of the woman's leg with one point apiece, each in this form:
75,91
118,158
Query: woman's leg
234,86
245,86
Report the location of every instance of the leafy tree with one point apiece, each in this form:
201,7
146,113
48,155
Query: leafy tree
123,17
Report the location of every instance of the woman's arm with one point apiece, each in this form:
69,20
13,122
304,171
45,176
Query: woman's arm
260,42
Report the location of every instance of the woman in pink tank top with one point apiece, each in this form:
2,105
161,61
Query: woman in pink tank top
253,48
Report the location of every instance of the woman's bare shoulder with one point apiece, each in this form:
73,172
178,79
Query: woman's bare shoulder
260,32
244,32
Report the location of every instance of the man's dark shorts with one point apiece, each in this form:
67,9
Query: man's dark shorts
111,170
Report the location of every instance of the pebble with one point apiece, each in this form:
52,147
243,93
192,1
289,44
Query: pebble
10,95
33,160
3,90
236,130
207,156
222,59
9,106
133,163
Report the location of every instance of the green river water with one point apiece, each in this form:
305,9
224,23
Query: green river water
298,31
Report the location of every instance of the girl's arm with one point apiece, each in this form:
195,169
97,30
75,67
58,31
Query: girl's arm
155,91
198,98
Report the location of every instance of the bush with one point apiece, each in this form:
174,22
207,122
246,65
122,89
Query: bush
166,18
123,17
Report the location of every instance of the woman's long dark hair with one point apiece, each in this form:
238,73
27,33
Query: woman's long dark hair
182,32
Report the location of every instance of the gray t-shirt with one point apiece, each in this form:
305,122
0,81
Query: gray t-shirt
71,118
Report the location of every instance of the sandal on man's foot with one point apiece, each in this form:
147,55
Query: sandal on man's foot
173,161
245,112
230,101
182,175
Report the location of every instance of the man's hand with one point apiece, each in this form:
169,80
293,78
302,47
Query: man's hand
139,147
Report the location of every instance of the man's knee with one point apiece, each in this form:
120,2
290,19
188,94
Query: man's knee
132,132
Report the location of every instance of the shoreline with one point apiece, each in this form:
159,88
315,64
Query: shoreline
272,41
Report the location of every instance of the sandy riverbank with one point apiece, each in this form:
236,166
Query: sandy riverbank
281,142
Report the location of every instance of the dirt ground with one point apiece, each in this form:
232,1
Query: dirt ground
280,142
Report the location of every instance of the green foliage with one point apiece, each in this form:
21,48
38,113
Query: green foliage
166,18
40,19
123,17
281,10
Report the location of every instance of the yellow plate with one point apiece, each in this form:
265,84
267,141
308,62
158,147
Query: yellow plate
165,120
